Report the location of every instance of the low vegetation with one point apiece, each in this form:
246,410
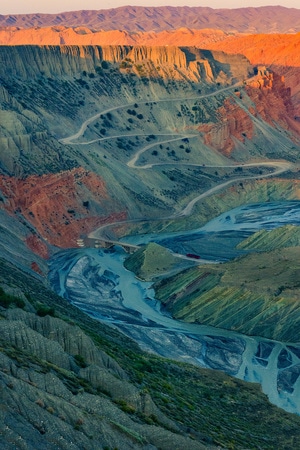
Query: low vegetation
236,294
207,406
153,261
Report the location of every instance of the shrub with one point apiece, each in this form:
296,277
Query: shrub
79,359
40,403
99,70
104,65
7,300
44,310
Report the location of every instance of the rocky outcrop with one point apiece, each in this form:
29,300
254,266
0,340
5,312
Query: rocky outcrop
38,246
69,339
273,101
67,347
276,51
50,400
60,207
233,124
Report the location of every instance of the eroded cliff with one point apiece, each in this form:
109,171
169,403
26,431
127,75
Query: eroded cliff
59,207
73,59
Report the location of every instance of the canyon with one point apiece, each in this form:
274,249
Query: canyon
138,134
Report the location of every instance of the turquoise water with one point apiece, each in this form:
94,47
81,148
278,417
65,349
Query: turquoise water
97,282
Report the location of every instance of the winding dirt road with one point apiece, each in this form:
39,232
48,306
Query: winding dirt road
87,122
279,166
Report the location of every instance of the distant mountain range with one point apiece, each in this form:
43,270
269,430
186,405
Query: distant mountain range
266,19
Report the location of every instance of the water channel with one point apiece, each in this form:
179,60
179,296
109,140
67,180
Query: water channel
96,281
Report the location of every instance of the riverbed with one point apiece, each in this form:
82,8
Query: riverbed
96,281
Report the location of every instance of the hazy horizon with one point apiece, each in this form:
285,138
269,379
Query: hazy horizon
60,6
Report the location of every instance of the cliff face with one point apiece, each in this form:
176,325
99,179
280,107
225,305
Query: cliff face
273,102
278,52
70,60
56,61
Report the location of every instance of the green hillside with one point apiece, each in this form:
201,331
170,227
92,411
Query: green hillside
266,240
255,295
154,261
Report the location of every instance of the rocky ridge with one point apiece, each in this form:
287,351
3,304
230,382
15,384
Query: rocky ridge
276,51
57,391
137,18
62,35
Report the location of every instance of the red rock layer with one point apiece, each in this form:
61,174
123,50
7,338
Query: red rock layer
61,207
36,268
38,247
233,122
273,102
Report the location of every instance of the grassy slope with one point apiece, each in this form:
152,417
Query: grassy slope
209,406
256,295
265,240
152,261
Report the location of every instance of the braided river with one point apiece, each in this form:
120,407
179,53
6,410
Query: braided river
96,281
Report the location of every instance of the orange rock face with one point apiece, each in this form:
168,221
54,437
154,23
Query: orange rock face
83,36
61,207
280,52
268,49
